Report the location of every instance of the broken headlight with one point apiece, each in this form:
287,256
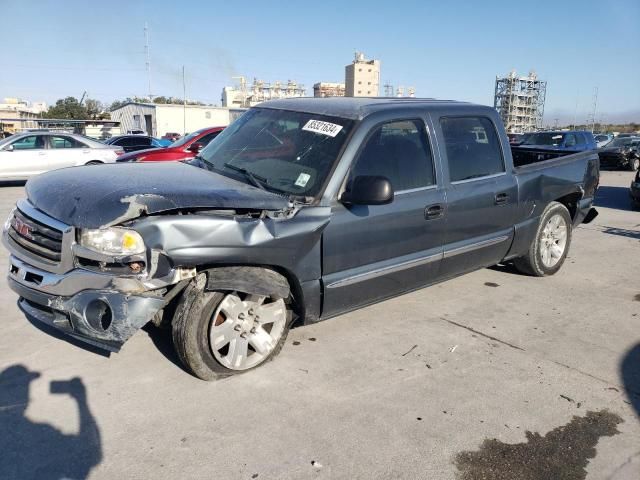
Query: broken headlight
113,241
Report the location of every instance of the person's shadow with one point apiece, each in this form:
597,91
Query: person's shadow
31,450
630,372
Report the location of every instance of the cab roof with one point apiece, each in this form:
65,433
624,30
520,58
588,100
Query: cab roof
357,108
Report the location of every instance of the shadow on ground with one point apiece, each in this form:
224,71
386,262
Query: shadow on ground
32,450
162,340
613,197
630,373
622,232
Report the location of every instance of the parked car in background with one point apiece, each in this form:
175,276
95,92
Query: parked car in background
572,140
133,143
26,154
516,139
301,210
634,192
183,149
173,136
603,139
621,153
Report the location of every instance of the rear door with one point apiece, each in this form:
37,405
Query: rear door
66,151
482,195
28,157
371,252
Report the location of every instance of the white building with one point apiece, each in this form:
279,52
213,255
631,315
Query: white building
17,104
328,89
362,77
158,119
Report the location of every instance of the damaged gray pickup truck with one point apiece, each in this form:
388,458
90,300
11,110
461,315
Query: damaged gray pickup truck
301,209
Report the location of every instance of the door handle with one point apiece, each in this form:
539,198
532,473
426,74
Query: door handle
501,198
433,211
40,153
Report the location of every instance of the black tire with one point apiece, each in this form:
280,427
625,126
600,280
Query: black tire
94,162
531,263
190,329
635,205
634,164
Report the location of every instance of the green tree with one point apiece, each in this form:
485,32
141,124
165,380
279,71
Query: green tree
68,108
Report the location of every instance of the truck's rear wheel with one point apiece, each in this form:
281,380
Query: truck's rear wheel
217,334
550,245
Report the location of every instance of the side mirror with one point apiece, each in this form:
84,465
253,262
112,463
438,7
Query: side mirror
196,147
368,190
8,148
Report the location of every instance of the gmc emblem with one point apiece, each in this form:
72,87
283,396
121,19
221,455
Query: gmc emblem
22,228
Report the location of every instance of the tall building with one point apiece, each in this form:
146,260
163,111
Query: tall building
362,77
520,101
328,89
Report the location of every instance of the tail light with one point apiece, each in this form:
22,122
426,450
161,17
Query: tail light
119,152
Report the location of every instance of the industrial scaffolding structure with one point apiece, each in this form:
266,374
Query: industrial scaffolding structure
520,101
248,95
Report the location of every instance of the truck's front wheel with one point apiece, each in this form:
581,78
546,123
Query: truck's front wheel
550,246
217,334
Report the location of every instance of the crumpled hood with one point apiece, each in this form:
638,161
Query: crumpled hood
102,195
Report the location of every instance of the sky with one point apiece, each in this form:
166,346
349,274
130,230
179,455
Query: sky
452,49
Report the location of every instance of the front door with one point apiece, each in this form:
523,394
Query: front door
28,157
371,252
482,196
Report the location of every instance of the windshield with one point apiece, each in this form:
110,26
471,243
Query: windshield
184,140
553,139
621,142
291,152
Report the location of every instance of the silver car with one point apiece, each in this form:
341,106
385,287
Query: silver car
26,154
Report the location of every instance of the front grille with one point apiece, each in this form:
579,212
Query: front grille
36,237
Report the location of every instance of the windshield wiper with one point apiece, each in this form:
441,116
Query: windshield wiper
256,180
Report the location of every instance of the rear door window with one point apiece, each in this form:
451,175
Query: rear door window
64,142
473,148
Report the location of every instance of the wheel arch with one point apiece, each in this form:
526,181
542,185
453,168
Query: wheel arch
570,201
260,279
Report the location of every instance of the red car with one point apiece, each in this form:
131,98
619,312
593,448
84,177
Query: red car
183,149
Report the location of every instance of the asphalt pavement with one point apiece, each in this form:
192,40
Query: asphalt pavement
490,375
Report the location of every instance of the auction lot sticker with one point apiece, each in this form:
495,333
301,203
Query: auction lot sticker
323,128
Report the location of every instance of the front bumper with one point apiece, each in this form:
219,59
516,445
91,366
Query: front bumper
101,318
99,307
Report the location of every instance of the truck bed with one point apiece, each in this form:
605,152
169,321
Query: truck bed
524,156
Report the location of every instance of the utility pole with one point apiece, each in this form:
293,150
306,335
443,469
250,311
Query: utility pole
184,104
592,117
147,58
575,112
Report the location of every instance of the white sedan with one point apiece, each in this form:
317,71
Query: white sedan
26,154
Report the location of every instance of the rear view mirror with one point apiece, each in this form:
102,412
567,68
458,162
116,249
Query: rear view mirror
368,190
196,147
